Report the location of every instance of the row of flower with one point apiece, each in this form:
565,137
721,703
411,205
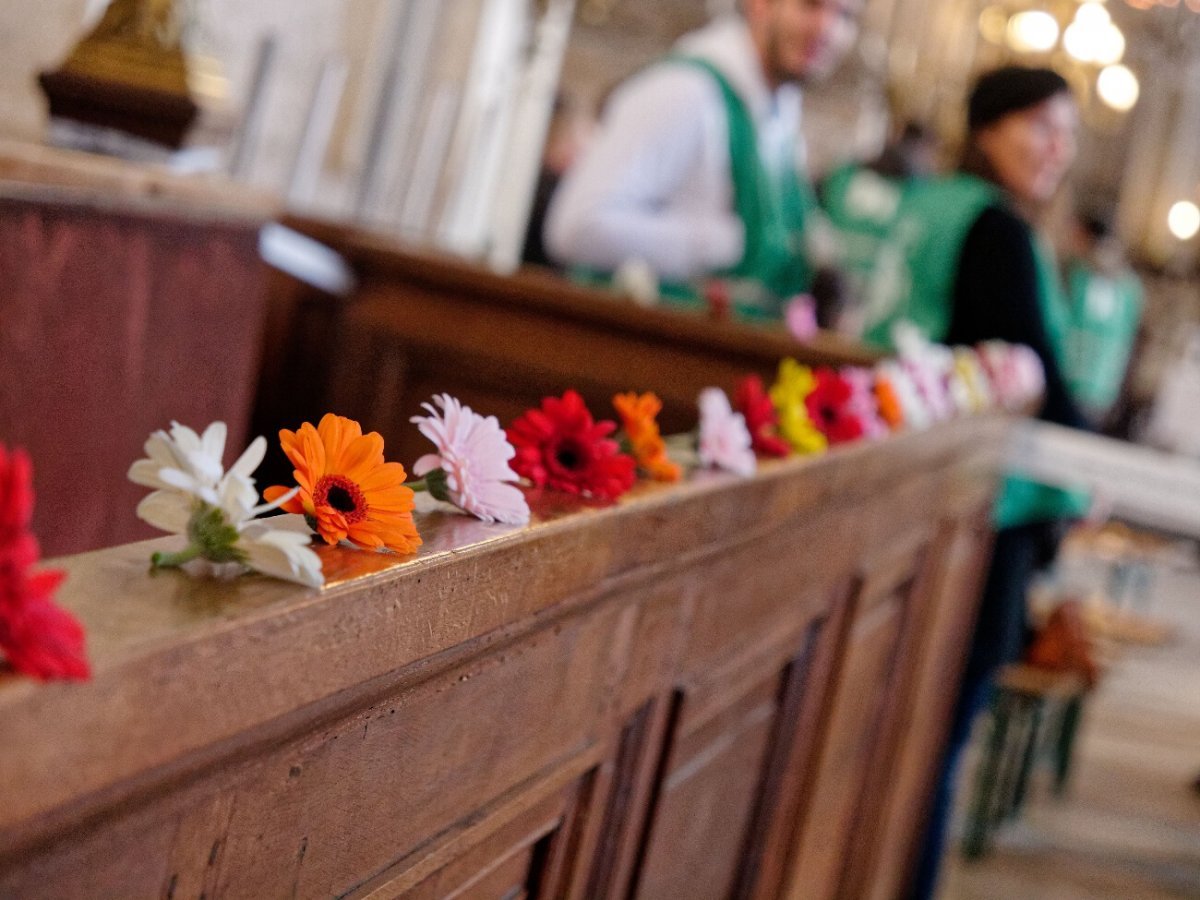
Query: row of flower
347,492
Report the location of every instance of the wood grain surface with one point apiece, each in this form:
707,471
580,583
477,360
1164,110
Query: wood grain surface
696,691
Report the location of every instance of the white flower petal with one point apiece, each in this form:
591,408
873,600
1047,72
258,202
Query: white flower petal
146,473
281,554
251,458
212,443
167,510
179,480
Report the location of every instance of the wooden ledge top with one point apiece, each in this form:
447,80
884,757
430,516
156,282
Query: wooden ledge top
35,172
184,668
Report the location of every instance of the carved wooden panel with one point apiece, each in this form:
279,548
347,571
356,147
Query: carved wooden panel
855,743
959,560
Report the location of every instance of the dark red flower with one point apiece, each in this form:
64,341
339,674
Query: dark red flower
752,401
830,409
37,637
560,446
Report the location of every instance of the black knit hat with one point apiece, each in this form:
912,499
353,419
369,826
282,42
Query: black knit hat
1011,89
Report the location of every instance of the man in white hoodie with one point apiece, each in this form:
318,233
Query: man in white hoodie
698,167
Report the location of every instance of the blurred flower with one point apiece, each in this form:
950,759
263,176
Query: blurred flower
41,639
470,466
725,442
639,419
800,317
37,637
913,412
790,395
752,401
347,491
862,404
829,409
928,366
1015,372
560,446
890,408
973,380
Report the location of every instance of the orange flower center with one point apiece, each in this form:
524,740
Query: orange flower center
342,494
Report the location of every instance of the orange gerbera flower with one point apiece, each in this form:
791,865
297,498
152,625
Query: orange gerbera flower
639,419
346,490
889,404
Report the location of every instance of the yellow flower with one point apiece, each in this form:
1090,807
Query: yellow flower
789,394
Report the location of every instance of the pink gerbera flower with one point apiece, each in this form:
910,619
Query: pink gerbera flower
725,441
472,454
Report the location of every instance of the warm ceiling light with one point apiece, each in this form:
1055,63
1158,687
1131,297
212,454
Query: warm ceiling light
1184,220
1092,15
1032,31
1093,38
1118,87
1110,46
1077,42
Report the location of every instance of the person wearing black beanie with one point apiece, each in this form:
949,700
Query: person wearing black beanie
991,276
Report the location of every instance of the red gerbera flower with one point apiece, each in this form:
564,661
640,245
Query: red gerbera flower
562,447
37,637
829,408
752,401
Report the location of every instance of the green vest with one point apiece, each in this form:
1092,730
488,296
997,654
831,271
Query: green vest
1022,501
914,271
916,283
773,208
862,206
1103,312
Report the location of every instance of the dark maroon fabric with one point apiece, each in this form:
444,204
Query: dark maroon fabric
111,325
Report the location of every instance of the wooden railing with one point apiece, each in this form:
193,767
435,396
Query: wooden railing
724,688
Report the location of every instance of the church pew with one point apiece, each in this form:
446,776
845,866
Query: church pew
723,688
129,299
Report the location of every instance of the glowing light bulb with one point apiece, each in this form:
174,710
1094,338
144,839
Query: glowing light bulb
1077,42
1092,15
1184,220
1118,87
1032,31
1109,46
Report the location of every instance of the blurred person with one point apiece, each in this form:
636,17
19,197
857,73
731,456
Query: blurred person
863,202
697,169
1104,309
978,270
571,126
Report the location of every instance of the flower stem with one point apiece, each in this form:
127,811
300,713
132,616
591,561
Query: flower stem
421,484
171,560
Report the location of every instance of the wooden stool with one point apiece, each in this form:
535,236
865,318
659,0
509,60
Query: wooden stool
1032,709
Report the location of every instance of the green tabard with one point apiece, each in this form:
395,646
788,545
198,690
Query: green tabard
773,208
914,281
1103,311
